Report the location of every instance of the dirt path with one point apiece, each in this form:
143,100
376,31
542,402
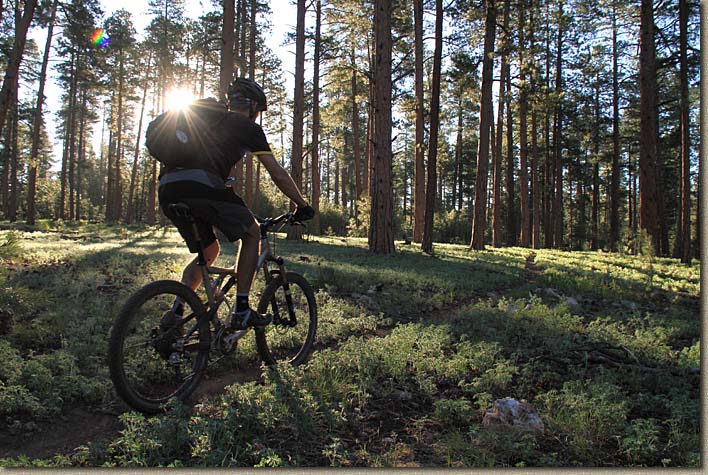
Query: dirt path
80,426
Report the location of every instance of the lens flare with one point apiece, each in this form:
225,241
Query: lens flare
179,98
100,38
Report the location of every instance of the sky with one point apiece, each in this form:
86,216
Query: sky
282,19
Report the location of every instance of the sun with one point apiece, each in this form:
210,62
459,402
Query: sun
179,98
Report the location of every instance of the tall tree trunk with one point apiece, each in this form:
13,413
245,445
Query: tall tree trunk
614,187
381,181
535,159
298,107
356,126
648,144
419,184
134,170
497,181
510,191
316,126
486,118
251,74
684,229
430,192
558,139
456,183
37,122
74,92
594,242
81,153
118,189
14,157
10,82
226,65
523,133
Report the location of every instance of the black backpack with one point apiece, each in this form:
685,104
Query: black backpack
187,137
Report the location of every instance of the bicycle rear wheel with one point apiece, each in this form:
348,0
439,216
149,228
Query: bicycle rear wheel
150,363
291,335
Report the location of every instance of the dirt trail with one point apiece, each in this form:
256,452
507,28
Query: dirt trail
80,426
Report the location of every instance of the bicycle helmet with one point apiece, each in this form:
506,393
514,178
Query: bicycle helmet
245,91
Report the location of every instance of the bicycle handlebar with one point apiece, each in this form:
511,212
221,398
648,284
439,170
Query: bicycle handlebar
289,218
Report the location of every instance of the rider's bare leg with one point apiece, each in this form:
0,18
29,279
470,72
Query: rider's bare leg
248,258
192,274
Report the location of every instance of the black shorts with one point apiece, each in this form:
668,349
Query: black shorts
214,207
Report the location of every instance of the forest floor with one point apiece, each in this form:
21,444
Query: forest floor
412,352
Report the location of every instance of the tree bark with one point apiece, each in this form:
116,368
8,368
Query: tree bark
648,144
316,125
486,118
381,219
683,231
510,191
523,134
356,129
430,191
298,107
614,187
226,65
37,122
134,170
419,183
558,139
497,181
10,82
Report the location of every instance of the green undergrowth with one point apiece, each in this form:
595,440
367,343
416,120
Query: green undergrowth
411,352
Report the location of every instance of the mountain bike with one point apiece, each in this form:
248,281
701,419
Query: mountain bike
151,364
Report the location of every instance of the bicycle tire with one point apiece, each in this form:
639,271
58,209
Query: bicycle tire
288,344
129,332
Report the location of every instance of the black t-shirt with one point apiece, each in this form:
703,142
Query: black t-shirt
234,134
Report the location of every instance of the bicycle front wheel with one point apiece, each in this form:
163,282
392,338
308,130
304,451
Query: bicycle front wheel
291,335
152,362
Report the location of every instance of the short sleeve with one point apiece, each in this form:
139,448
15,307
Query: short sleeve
254,139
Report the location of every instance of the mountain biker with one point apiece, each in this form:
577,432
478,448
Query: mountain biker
205,190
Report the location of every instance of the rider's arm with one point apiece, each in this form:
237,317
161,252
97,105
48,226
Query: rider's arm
282,178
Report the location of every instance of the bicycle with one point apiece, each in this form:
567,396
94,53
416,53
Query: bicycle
150,364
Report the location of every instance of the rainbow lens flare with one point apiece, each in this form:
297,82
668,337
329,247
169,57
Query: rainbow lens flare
100,38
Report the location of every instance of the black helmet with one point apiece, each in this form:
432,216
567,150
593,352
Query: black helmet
245,91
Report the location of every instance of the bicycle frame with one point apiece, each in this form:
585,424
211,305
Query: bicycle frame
216,294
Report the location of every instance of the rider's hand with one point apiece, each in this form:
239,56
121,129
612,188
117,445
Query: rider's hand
304,213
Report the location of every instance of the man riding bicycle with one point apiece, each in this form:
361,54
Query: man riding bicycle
204,189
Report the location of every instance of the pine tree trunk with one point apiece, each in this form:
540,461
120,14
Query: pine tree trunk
648,146
12,70
486,118
37,122
523,135
497,167
134,170
315,228
419,186
430,191
226,65
684,228
381,219
616,171
510,191
298,108
356,127
558,140
252,75
118,189
81,154
535,159
14,157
